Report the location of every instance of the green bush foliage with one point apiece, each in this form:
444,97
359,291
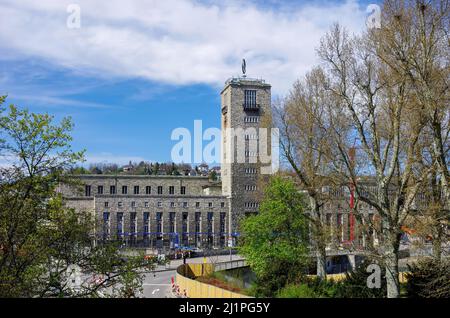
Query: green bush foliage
429,278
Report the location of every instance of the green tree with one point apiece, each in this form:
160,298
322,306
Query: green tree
213,175
274,242
42,242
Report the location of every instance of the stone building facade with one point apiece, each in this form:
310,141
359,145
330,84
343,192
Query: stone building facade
172,211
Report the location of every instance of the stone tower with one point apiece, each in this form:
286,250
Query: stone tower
246,107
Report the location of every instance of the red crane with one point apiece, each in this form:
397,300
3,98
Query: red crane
351,155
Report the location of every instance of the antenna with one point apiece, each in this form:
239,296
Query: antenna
244,68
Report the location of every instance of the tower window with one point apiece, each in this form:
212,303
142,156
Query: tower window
100,189
171,190
88,191
160,190
148,190
112,189
251,119
136,189
124,189
250,99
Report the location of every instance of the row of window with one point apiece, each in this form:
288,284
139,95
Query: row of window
251,153
251,119
159,222
250,187
136,190
251,137
251,204
160,204
251,170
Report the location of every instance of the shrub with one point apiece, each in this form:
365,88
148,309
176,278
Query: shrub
355,284
309,288
297,291
429,278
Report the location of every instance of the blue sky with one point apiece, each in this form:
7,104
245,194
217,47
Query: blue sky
136,70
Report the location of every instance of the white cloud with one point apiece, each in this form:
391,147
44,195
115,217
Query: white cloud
174,41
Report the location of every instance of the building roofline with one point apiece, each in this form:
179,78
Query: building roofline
240,81
132,176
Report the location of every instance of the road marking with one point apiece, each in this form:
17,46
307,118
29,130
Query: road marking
156,290
156,285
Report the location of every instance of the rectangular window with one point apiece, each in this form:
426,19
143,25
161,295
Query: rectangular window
112,190
198,220
136,189
119,224
159,204
172,222
185,218
133,228
146,204
159,219
222,222
133,204
185,205
100,190
148,190
124,189
222,204
249,98
171,190
210,221
197,204
119,204
106,204
172,204
87,190
106,225
146,223
160,190
183,190
210,205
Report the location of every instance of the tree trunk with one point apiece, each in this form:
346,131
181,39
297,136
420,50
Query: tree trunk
318,240
321,262
391,266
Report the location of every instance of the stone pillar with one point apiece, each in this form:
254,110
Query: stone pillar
352,260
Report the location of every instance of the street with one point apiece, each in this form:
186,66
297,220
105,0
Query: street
158,284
